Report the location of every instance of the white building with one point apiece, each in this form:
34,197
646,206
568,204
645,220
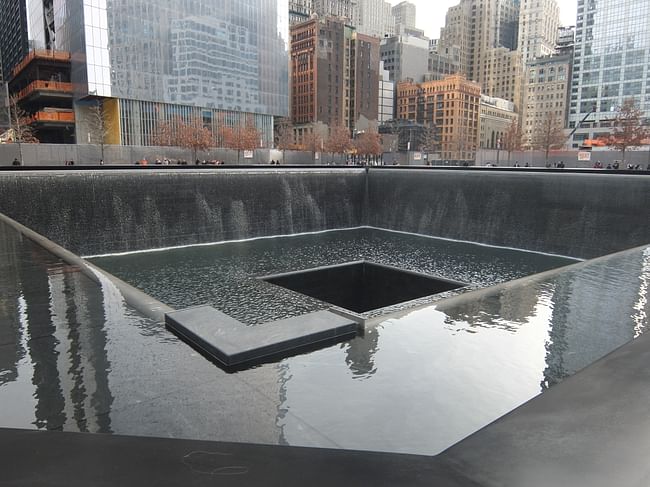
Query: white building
386,95
496,116
404,13
375,18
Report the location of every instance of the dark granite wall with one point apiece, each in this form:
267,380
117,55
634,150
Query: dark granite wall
103,212
580,215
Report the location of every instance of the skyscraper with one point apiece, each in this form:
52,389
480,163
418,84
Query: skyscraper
375,18
538,28
4,101
610,64
219,61
14,41
484,33
404,13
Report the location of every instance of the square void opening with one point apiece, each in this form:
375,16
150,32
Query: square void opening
362,286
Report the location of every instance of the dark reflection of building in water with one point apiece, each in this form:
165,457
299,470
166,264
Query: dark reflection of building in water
360,354
588,306
57,313
11,349
506,310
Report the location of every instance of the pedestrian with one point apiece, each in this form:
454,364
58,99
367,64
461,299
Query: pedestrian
101,162
15,162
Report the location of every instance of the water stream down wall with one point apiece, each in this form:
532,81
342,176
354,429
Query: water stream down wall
96,212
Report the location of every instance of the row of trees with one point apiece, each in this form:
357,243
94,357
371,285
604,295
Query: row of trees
339,141
193,134
628,129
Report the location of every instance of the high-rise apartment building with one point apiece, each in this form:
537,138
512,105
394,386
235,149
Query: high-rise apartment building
334,76
610,64
375,18
404,14
223,62
449,106
538,28
546,83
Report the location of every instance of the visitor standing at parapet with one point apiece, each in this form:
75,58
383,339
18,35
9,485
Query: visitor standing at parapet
16,162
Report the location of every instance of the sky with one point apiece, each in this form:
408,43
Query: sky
431,14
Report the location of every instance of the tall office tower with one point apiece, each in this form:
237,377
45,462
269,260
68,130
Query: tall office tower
223,62
4,101
404,13
538,28
334,74
485,32
347,9
609,64
375,18
14,39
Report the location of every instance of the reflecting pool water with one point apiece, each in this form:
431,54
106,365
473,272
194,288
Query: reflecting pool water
75,357
225,275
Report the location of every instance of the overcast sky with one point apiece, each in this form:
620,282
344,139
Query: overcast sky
431,14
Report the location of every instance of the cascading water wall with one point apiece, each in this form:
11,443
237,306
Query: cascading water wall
97,212
93,213
578,215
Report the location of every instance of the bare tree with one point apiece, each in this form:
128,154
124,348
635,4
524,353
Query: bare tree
430,141
193,135
368,145
165,134
549,135
20,125
628,129
245,137
339,140
461,142
99,125
312,142
512,139
284,136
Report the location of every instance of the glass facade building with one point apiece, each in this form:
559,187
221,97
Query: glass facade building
610,64
225,61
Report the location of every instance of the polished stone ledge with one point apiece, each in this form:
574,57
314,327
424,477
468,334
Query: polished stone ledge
232,343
